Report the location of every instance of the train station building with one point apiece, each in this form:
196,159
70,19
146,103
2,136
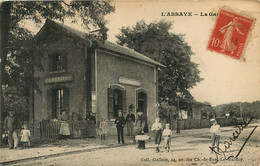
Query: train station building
83,77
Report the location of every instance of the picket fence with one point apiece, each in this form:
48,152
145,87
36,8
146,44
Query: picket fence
49,129
45,130
201,123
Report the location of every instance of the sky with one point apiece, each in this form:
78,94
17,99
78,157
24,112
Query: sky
225,79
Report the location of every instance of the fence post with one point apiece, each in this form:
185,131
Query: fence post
40,130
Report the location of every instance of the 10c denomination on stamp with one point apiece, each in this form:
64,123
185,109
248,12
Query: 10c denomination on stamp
230,34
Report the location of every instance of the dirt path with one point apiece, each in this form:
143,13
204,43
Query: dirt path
190,150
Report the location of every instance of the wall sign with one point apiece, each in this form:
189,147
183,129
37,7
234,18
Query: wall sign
128,81
58,79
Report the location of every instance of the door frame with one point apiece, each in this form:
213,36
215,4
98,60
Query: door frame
65,98
137,91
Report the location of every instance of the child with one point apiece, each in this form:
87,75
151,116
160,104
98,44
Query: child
25,136
103,129
75,125
215,133
167,133
157,128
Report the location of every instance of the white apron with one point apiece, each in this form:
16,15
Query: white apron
64,128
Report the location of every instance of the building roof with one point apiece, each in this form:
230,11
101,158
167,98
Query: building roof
201,104
106,45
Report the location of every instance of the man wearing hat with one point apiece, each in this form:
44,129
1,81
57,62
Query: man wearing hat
130,119
120,123
215,133
11,127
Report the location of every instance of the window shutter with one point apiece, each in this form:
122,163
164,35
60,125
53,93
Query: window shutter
110,103
124,102
66,100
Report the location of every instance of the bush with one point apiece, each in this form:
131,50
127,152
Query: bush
14,100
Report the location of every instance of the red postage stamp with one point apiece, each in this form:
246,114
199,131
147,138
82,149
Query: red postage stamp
230,34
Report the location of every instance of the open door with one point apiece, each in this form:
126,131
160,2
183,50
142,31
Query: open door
142,102
60,101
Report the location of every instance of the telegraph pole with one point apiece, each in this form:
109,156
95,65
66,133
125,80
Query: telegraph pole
178,118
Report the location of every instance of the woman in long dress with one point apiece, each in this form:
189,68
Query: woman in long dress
140,124
228,30
64,127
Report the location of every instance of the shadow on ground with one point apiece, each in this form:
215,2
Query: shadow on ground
206,141
83,142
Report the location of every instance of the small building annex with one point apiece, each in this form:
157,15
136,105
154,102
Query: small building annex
102,78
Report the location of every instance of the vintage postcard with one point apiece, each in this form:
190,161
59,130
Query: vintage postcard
127,83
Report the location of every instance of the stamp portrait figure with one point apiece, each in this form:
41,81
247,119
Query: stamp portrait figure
228,30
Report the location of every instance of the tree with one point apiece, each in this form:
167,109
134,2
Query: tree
16,59
14,13
157,42
235,110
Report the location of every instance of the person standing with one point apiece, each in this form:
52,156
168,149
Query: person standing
75,125
157,128
130,120
140,124
11,127
25,136
91,117
64,127
215,133
91,124
103,129
120,123
167,134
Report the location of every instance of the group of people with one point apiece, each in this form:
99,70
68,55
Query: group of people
159,132
157,128
72,128
134,126
140,129
11,128
13,132
167,133
129,121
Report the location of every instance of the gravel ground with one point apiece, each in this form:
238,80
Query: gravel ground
193,149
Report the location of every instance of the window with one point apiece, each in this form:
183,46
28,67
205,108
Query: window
58,102
141,101
116,101
58,62
117,104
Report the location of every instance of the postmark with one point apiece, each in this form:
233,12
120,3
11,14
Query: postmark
230,34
